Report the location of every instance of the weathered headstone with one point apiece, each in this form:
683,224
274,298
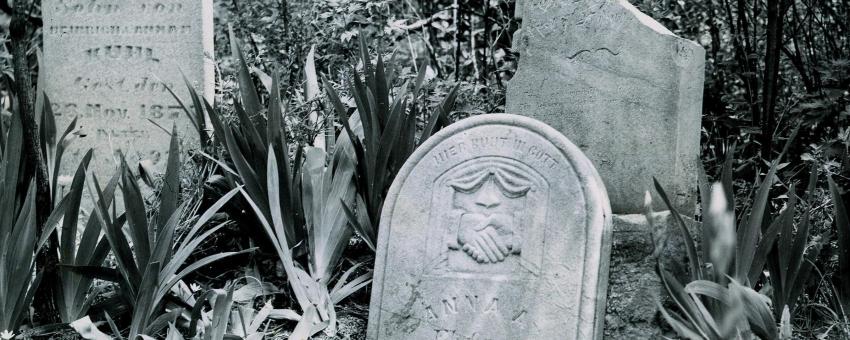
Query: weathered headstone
621,86
498,227
108,62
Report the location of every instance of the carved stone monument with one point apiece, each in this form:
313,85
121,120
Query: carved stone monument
498,227
108,62
621,86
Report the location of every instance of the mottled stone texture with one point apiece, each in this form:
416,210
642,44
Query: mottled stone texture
622,87
497,227
633,286
108,62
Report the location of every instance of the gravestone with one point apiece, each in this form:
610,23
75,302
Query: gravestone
108,62
498,227
618,84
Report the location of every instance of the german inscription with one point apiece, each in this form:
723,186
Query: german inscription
497,228
110,63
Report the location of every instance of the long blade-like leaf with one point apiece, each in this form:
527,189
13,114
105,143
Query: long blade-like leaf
170,193
247,89
694,262
749,233
144,303
842,226
137,221
312,80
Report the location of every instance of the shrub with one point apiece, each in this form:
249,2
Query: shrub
153,259
388,137
723,277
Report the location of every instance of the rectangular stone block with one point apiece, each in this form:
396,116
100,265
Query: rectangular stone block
496,228
634,288
622,87
108,62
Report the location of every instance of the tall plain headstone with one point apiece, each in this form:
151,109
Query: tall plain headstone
625,89
498,227
108,62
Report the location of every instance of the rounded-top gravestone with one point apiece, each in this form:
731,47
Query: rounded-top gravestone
498,227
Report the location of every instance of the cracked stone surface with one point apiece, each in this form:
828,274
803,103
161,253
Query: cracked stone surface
498,227
621,86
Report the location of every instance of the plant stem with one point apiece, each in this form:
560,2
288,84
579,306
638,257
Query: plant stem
47,260
770,93
458,15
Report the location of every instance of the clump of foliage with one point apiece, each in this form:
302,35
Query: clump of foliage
721,293
298,203
840,283
74,296
153,259
718,302
324,190
388,138
304,203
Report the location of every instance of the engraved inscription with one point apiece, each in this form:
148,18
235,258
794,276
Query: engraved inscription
683,53
444,334
521,147
155,7
67,7
468,304
123,84
121,52
117,29
162,111
97,110
451,309
116,61
129,133
88,110
100,7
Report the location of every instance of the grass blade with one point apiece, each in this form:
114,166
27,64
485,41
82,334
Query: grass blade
842,226
694,262
311,89
140,232
170,193
750,232
247,89
368,235
144,303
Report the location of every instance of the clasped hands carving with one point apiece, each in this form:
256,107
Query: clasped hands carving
487,238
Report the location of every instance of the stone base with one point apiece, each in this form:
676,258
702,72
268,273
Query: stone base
633,285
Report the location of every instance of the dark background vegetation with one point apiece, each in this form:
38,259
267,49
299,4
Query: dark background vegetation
776,71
